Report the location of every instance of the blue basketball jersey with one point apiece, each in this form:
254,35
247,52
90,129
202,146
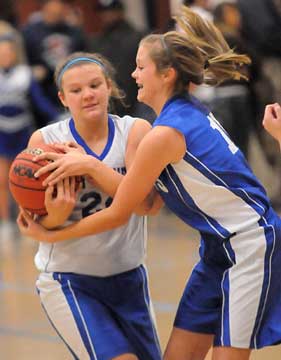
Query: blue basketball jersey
237,281
212,188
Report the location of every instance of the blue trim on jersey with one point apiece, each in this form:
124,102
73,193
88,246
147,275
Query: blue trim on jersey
270,236
225,332
11,110
80,141
80,318
144,279
229,251
185,206
230,177
59,334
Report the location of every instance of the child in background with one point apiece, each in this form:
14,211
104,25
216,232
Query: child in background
18,92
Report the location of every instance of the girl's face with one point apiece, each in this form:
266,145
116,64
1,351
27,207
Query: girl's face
149,81
8,54
232,17
86,92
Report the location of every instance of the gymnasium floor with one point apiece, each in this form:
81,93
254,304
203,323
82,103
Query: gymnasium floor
25,333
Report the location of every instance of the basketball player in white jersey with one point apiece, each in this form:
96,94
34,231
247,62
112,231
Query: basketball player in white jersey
94,289
232,300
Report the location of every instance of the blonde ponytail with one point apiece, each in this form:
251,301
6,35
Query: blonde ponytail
222,62
198,52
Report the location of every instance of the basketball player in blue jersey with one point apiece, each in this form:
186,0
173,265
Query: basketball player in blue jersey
232,301
94,289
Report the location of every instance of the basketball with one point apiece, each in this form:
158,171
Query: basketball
27,190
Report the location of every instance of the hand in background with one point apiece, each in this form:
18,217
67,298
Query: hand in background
272,121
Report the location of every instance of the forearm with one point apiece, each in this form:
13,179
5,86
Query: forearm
50,222
108,180
104,177
101,221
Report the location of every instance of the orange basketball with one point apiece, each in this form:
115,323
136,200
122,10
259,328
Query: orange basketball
27,190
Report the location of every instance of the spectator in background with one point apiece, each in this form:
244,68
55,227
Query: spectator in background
201,7
8,28
74,15
118,41
231,103
17,90
48,38
262,33
8,12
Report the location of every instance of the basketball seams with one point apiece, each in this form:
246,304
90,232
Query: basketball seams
39,163
39,211
26,188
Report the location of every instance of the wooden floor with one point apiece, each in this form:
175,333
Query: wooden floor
25,333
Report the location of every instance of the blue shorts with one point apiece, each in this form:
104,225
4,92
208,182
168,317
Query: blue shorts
13,143
239,305
101,317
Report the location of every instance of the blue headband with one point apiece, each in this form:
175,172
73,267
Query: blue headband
8,37
75,61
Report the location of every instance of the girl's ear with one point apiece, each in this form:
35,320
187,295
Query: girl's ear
61,97
170,74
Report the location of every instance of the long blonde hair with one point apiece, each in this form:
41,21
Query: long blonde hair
198,52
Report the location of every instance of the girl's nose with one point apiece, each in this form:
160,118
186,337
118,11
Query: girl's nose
134,74
87,93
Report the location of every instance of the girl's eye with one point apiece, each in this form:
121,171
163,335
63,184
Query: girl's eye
95,85
74,91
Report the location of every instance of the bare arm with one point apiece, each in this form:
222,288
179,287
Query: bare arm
159,147
103,179
35,139
153,201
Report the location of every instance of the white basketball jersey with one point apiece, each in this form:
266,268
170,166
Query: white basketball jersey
15,113
110,252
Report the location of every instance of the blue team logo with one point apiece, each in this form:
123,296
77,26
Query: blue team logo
160,186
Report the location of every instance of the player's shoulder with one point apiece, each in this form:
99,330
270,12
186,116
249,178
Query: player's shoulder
62,125
128,119
127,122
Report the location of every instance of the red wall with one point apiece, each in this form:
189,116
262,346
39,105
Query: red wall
26,7
91,22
